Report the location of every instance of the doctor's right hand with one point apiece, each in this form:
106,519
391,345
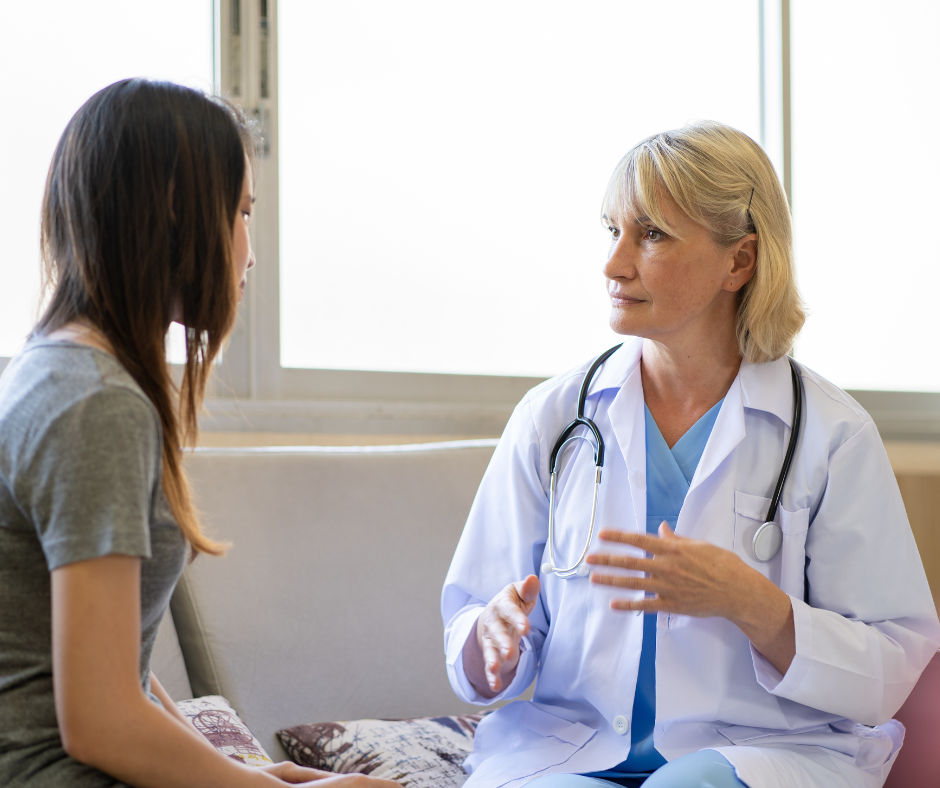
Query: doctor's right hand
499,630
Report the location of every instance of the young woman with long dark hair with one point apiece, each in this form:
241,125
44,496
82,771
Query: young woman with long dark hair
144,222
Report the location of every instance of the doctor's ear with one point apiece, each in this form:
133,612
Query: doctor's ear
744,262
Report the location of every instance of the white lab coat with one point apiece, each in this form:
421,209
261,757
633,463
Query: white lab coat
869,629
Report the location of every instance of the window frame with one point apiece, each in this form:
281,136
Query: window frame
251,391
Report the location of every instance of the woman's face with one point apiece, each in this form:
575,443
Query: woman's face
241,242
664,287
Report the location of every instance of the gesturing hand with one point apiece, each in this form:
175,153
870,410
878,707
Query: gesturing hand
697,578
687,576
501,626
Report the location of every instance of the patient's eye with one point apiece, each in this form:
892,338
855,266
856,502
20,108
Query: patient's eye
652,234
614,231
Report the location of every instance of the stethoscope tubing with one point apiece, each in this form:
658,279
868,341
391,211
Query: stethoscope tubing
580,420
583,421
798,394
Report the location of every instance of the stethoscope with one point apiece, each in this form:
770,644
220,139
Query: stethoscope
767,539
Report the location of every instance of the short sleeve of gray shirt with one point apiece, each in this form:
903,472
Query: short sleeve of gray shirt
88,484
80,478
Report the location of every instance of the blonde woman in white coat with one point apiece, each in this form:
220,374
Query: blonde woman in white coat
764,674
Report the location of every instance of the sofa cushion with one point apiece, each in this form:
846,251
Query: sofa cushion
215,719
423,753
327,605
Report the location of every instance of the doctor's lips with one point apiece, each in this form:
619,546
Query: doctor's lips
622,299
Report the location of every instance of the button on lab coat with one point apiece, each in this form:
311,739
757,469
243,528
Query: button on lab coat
862,639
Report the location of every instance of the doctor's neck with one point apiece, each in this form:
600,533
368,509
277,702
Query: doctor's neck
688,377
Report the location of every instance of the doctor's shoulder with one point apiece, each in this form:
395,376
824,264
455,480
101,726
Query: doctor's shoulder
540,416
839,433
832,411
553,403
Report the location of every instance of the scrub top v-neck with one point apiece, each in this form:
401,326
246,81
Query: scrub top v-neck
669,475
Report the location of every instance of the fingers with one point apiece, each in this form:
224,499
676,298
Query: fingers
493,662
633,583
528,592
354,781
502,625
289,772
646,542
507,627
650,604
621,562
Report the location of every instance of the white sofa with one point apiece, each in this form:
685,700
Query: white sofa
327,605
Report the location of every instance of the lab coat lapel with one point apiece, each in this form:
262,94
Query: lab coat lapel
727,433
763,387
627,418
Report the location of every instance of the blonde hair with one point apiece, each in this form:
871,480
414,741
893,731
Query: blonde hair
723,180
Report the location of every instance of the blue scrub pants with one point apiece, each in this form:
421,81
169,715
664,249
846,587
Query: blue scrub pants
703,769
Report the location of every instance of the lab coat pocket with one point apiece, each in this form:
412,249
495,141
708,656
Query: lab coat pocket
786,568
542,740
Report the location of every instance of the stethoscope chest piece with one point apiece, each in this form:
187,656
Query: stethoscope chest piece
767,542
769,537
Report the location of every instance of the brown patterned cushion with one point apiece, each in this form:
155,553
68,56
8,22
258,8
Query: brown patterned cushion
215,719
422,753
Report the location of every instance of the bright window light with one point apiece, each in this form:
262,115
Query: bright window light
442,167
56,54
865,169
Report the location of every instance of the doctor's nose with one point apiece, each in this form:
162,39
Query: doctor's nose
620,262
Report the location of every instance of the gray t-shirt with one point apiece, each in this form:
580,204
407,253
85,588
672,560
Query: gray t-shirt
80,469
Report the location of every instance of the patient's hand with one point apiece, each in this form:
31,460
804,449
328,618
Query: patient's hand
301,775
499,629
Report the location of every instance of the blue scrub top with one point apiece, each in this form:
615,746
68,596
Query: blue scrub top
669,474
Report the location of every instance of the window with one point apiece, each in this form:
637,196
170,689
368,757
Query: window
426,229
442,167
865,166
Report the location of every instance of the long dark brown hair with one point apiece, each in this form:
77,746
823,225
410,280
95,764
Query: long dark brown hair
137,222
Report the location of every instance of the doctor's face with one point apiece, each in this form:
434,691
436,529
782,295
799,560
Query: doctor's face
662,286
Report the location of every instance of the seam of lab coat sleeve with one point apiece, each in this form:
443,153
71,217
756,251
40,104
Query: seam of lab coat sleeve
457,634
787,684
538,443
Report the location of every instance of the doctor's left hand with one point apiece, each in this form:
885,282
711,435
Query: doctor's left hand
696,578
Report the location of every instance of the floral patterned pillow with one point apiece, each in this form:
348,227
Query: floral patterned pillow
422,753
215,719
